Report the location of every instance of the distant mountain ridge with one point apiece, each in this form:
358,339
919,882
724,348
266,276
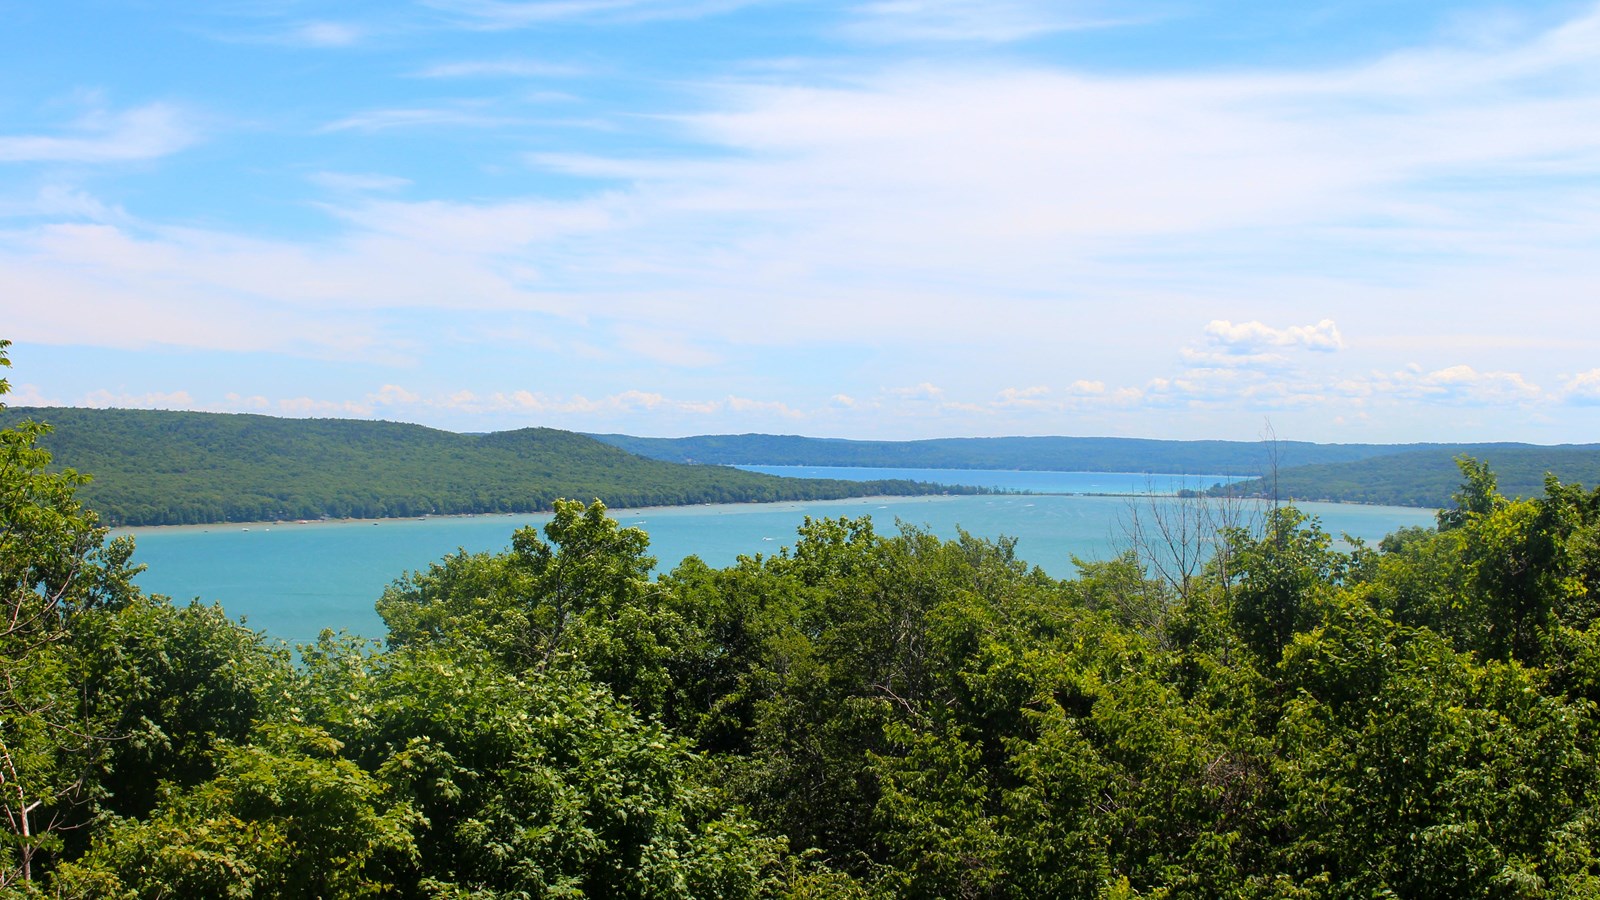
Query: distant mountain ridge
1422,474
162,468
153,467
1066,454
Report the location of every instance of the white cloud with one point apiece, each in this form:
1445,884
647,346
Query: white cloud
110,285
240,403
1033,396
103,399
987,21
665,347
1251,344
747,405
358,182
145,132
1583,388
923,391
540,402
481,232
1459,385
1466,384
394,395
500,68
1205,357
326,34
306,407
416,117
1249,337
502,14
27,394
61,201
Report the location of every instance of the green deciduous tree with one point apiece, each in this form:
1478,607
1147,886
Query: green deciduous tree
285,816
583,597
535,784
55,565
1281,574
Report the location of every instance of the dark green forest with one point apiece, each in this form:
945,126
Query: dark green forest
1426,477
868,714
155,467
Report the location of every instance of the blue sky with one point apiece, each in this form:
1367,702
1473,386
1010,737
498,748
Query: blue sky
1355,221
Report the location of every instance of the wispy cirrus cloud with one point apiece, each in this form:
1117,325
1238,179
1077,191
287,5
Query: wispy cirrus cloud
268,27
145,132
1457,384
982,21
392,398
1032,228
358,182
505,14
325,34
377,120
500,68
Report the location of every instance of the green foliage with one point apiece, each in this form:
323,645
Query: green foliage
583,599
1280,574
286,816
1479,495
55,568
1500,576
157,467
1411,768
167,686
534,785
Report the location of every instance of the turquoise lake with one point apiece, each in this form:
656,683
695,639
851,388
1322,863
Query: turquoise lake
293,580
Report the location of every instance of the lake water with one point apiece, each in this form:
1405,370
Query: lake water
293,580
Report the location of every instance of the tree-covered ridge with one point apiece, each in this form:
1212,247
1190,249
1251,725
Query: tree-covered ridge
1428,477
171,468
1063,454
865,715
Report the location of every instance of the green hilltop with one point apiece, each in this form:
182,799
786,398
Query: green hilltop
155,467
1429,477
1063,454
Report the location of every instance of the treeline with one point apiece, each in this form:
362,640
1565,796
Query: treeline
866,715
183,468
1424,477
1065,454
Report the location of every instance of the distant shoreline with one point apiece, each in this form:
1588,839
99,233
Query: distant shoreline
135,530
613,511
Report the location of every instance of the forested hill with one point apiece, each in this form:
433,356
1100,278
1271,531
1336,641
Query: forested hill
1064,454
1429,477
167,468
